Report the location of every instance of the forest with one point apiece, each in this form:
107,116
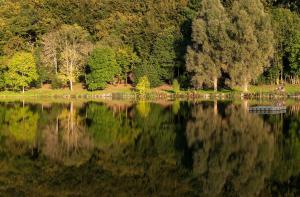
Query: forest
201,44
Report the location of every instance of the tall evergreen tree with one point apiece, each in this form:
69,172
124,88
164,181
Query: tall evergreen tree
211,46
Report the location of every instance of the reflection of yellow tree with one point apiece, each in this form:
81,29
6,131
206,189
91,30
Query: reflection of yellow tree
143,108
233,152
67,140
21,123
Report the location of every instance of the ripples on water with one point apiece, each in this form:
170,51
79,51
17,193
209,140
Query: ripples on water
147,149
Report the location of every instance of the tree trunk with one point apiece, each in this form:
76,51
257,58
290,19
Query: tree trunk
215,84
245,88
71,75
245,106
71,85
55,65
23,89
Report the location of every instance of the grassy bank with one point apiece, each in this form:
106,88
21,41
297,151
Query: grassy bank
163,91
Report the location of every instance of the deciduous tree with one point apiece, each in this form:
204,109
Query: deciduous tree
103,68
21,71
253,42
211,45
75,48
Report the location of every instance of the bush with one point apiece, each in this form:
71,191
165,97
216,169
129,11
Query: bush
56,83
143,85
150,71
176,86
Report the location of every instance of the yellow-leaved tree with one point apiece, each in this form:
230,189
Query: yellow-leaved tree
21,71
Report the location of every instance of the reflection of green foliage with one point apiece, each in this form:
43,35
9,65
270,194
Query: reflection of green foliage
158,131
235,152
176,106
230,154
287,161
105,128
21,123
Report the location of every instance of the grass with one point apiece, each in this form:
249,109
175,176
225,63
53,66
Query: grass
80,91
290,89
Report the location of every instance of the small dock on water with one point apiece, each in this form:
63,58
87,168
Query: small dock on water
268,109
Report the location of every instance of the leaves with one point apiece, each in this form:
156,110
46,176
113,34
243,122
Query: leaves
103,68
21,71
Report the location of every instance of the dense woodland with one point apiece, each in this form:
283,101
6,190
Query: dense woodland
201,43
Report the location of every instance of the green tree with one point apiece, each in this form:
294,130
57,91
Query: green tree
21,71
127,60
103,68
293,50
253,42
285,25
143,85
2,71
211,46
164,54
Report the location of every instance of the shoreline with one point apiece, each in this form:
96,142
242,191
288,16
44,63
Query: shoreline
184,95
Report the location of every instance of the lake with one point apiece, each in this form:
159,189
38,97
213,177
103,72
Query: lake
122,148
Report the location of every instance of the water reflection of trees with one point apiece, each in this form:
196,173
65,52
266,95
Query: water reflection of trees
232,154
66,138
286,165
144,149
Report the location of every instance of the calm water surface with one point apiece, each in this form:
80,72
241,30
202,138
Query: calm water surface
147,149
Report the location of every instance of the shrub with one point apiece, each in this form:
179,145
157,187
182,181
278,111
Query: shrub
56,83
176,86
150,71
143,85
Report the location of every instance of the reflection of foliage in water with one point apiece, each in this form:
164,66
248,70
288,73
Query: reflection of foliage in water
143,107
106,128
20,122
91,150
232,155
286,166
67,140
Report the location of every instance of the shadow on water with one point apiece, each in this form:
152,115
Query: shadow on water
176,148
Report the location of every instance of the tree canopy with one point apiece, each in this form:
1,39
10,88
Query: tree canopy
203,44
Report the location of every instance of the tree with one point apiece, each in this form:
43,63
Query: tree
293,50
103,68
2,70
211,46
143,85
21,71
285,25
50,51
164,55
252,38
74,47
127,60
